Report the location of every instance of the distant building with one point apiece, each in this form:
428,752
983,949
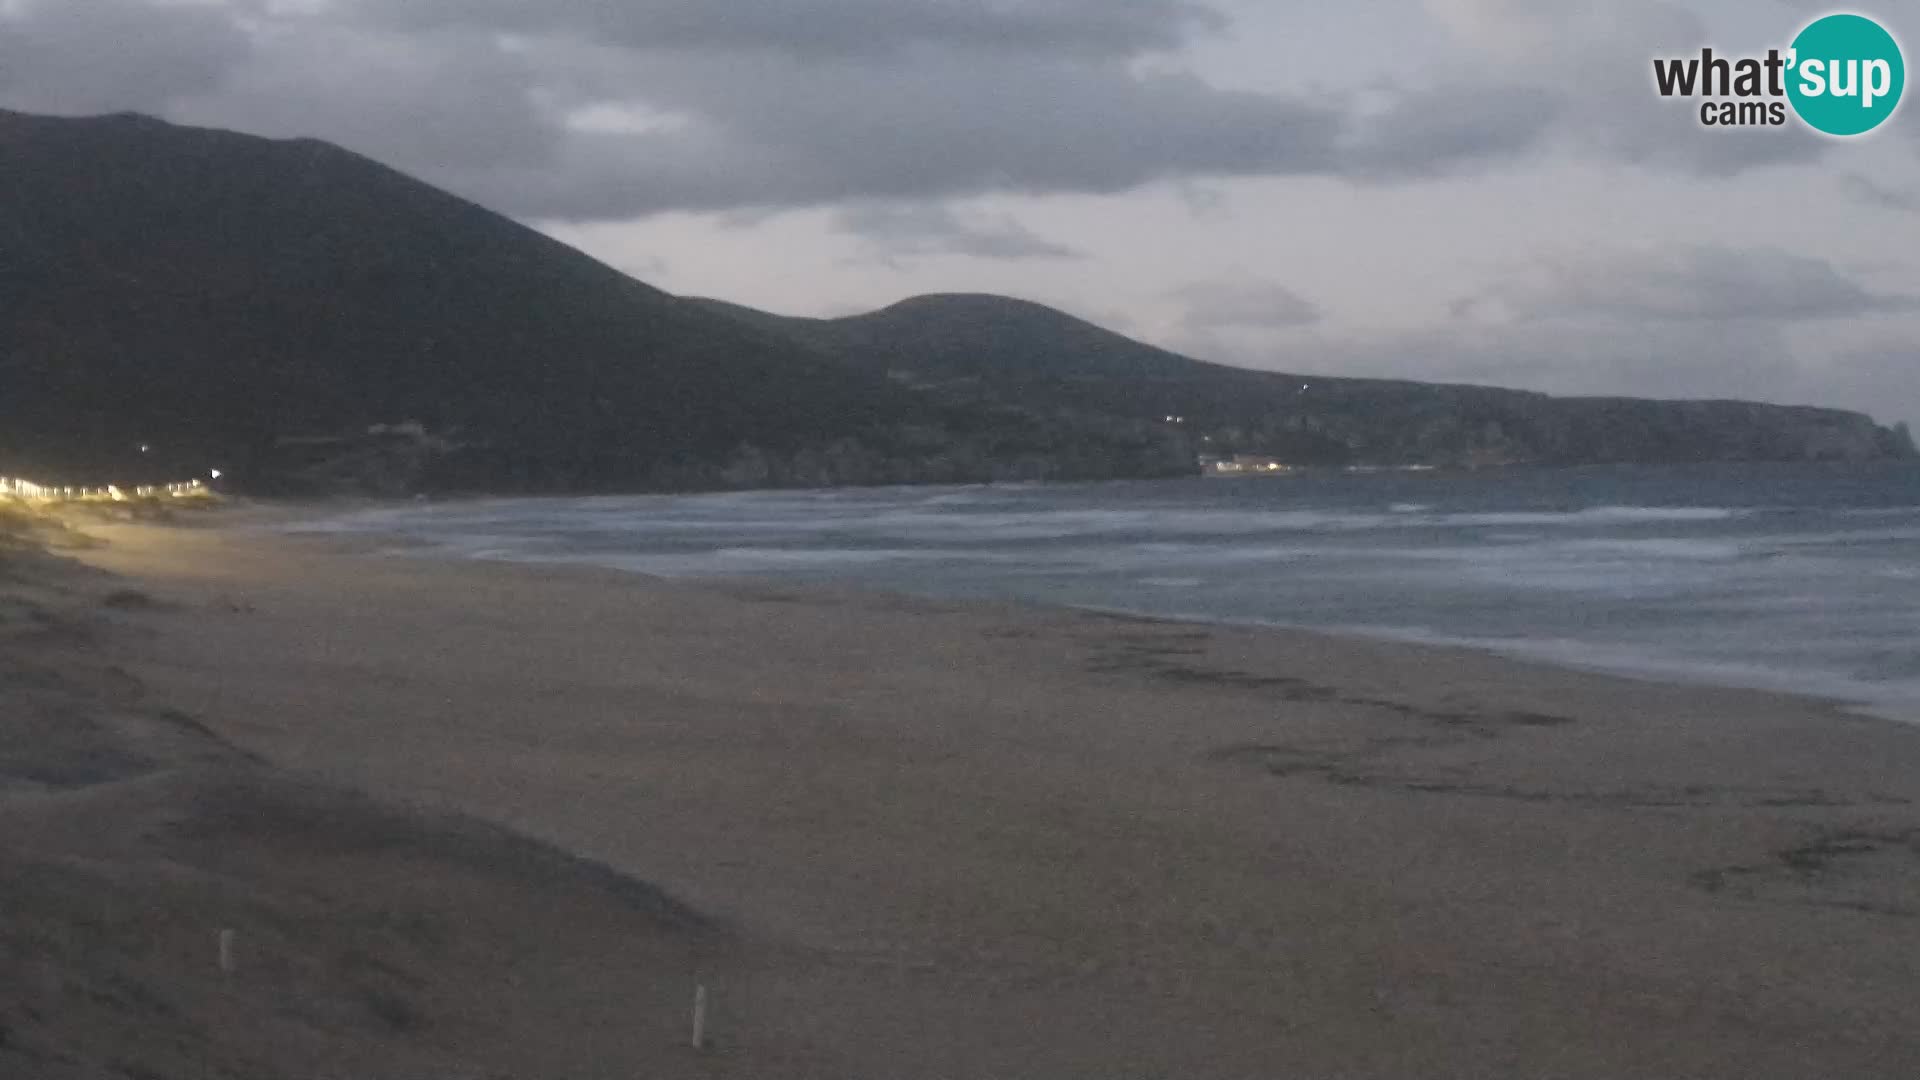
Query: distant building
1242,465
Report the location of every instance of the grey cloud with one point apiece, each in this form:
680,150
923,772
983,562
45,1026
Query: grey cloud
1665,135
788,133
1596,60
89,56
444,106
1428,131
892,232
841,101
1692,284
1882,379
1240,304
1654,359
1203,201
1673,358
1861,189
447,93
1748,361
1087,28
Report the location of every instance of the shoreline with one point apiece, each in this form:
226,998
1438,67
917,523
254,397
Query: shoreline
993,838
1674,678
1888,708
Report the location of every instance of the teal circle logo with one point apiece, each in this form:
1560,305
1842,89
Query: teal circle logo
1847,75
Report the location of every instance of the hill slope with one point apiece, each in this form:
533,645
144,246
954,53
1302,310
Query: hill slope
990,348
972,335
298,315
257,304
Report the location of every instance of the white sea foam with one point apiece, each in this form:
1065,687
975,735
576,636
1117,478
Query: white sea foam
1595,515
1658,547
1897,698
1788,597
817,556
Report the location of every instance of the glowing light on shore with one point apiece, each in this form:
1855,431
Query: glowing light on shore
18,490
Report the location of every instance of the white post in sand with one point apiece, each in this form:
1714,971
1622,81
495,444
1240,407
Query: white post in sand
699,1016
226,952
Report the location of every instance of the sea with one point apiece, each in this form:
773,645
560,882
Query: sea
1802,578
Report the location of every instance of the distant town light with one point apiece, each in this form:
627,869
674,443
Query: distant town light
14,488
145,448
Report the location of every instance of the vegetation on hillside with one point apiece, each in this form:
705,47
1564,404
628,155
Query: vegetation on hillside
177,300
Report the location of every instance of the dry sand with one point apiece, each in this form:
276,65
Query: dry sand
916,839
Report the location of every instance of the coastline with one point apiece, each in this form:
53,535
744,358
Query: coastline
1678,676
1721,627
978,839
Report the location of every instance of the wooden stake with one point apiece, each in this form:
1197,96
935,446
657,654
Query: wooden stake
699,1016
226,952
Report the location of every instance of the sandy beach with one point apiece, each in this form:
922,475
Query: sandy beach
899,838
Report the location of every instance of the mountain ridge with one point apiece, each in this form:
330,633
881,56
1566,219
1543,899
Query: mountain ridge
214,296
960,343
305,318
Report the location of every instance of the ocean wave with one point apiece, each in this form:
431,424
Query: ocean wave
1899,697
1661,547
1879,512
1594,515
1060,524
1793,597
816,556
976,515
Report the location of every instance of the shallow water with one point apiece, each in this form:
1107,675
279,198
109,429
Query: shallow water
1800,578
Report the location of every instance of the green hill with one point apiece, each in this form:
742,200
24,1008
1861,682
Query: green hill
259,305
176,299
977,349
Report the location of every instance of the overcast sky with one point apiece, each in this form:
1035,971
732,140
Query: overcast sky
1479,190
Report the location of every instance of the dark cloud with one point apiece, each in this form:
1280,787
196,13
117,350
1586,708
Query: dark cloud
891,233
1082,28
875,100
784,131
787,132
1689,284
769,103
443,106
